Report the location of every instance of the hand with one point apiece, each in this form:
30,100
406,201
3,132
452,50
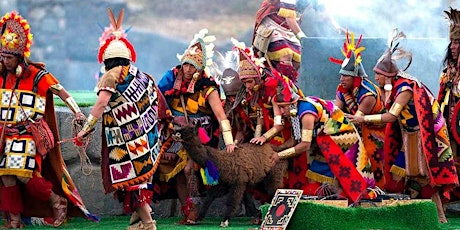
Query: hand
80,138
274,159
230,148
80,118
355,119
258,140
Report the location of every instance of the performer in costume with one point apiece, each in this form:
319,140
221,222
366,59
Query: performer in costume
316,122
277,34
356,94
27,99
192,96
417,144
449,87
131,107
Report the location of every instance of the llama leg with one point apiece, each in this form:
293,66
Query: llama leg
211,195
249,204
233,202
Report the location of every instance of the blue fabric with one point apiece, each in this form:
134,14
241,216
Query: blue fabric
321,168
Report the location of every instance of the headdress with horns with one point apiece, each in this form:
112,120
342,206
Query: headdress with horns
113,42
386,64
16,38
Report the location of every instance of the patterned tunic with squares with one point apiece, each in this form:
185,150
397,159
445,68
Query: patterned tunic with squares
22,98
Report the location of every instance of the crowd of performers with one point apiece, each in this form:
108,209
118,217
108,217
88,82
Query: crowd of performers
393,136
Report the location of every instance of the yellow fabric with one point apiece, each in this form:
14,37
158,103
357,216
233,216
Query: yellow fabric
398,171
177,167
318,177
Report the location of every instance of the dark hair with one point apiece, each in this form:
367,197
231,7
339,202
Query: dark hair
113,62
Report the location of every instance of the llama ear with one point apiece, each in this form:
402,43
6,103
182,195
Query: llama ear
197,125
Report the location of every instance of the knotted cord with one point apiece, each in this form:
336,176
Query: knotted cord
85,161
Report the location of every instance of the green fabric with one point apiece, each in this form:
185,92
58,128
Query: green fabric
421,215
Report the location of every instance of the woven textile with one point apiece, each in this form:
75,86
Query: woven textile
433,131
131,131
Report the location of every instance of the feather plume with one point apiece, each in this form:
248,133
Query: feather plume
113,22
394,45
120,19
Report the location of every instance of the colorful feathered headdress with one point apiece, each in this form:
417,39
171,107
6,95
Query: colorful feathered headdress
249,66
16,38
352,64
113,41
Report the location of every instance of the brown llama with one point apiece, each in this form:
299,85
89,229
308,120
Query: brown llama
247,166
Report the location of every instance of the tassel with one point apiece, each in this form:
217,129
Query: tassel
210,174
203,135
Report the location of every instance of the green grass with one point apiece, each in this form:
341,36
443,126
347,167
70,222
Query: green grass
419,216
239,223
84,98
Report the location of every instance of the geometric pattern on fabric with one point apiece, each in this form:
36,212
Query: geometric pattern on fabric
350,179
24,104
281,209
131,129
18,157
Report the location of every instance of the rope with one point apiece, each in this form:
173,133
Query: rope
85,161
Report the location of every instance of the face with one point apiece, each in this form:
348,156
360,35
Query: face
249,83
454,48
188,70
285,110
346,81
231,98
380,79
10,61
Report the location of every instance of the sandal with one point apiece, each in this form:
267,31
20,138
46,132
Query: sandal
15,221
141,225
135,218
59,211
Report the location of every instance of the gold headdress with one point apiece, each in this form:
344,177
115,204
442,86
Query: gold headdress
15,37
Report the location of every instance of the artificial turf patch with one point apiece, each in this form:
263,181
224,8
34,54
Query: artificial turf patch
308,215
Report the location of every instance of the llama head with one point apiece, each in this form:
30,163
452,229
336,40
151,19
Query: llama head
185,132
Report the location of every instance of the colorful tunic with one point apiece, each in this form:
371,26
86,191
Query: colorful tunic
271,25
130,128
340,153
420,148
30,97
197,109
372,135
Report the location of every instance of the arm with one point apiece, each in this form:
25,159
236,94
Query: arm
308,123
216,106
59,90
101,102
277,127
339,103
401,100
367,104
